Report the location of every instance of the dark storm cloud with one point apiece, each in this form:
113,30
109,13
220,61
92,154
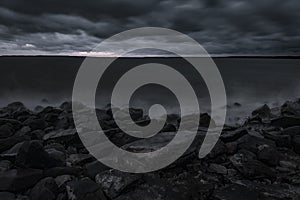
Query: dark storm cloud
221,26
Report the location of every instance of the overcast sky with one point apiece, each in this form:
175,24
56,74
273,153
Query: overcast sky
223,27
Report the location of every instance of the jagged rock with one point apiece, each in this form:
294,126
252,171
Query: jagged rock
291,108
14,123
45,189
280,139
84,189
7,196
263,112
113,182
63,180
17,180
251,143
268,155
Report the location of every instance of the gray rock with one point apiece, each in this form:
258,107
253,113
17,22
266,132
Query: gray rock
286,121
94,168
296,143
113,182
268,155
45,189
19,180
230,136
80,159
6,131
236,192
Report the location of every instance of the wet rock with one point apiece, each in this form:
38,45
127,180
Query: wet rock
113,182
45,189
219,169
236,192
268,155
19,179
84,189
7,196
296,143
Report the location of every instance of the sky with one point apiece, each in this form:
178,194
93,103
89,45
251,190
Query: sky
223,27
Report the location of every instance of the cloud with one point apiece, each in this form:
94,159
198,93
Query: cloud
221,26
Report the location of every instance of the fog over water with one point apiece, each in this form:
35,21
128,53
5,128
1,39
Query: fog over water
251,82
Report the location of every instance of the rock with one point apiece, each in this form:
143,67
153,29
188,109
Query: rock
230,136
285,121
296,143
113,182
35,123
5,165
32,155
84,189
60,134
263,112
17,180
218,149
14,123
291,131
251,143
268,155
205,120
169,128
80,159
291,108
63,180
94,168
7,196
231,147
279,139
45,189
288,164
245,163
236,192
58,158
6,131
219,169
58,171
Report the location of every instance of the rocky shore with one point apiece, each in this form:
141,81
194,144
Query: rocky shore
42,157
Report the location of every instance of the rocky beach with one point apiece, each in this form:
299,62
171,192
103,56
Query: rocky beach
42,157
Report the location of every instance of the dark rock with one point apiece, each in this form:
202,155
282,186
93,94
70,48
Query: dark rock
231,147
113,182
237,104
291,108
45,189
60,134
84,189
5,165
32,155
58,158
296,143
291,131
37,134
268,155
6,131
286,121
279,139
169,128
7,196
236,192
80,159
251,168
62,180
36,123
14,123
58,171
94,168
19,180
251,143
263,112
7,143
205,120
136,113
66,106
230,136
219,169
